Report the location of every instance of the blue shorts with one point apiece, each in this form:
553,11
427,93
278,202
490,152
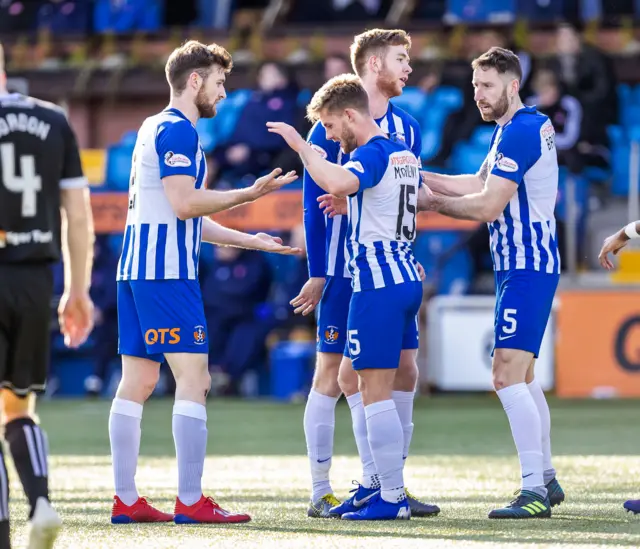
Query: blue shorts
382,323
160,316
523,305
333,311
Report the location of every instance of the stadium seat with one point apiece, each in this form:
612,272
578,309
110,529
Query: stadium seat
216,131
450,276
479,11
620,162
119,167
129,138
413,100
127,16
467,158
448,97
430,143
631,116
481,136
291,367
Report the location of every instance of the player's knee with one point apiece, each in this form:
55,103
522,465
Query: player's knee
348,381
507,370
407,376
14,406
325,378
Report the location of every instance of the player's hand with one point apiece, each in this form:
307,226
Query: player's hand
76,317
426,199
272,182
333,205
421,272
309,297
273,244
288,133
613,244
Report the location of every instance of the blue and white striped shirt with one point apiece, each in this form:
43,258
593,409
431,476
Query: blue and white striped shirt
525,235
382,214
157,245
325,238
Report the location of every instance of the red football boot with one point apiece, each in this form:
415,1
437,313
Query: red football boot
206,511
140,511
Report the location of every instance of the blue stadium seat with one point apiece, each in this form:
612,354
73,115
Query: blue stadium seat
453,276
620,163
291,367
118,167
467,158
127,15
479,11
304,98
216,131
448,97
413,100
581,195
481,136
631,116
430,143
129,138
616,135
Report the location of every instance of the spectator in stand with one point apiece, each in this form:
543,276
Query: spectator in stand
251,149
337,11
335,65
66,16
587,74
565,113
234,292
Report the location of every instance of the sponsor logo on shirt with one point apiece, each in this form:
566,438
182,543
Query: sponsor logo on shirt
176,160
8,238
506,164
319,150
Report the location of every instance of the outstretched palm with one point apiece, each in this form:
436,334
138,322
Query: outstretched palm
273,244
273,182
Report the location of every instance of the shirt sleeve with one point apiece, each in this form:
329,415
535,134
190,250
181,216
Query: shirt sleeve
72,174
416,144
313,219
177,146
368,163
519,148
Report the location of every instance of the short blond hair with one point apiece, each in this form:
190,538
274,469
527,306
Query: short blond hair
344,91
193,56
375,42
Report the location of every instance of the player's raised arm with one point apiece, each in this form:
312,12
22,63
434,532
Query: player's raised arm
614,243
330,177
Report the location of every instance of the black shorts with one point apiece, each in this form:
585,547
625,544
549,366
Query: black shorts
26,292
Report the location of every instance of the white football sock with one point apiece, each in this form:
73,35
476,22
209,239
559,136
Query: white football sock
124,436
525,428
319,426
359,420
386,440
404,405
545,425
189,427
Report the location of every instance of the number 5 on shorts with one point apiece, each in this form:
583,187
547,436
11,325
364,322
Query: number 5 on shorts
509,318
354,344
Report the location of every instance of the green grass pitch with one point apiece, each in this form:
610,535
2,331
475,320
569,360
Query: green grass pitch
462,458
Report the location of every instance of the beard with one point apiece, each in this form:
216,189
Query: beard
348,141
387,84
496,111
206,108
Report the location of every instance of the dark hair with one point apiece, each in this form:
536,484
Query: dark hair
501,59
195,57
375,42
341,92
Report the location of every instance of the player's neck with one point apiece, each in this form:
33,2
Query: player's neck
378,103
515,106
186,107
368,132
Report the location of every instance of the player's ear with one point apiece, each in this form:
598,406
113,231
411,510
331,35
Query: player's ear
374,64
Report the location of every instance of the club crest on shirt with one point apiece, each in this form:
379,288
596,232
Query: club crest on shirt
331,334
199,335
176,160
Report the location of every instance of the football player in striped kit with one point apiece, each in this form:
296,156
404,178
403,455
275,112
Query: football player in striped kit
515,193
160,309
380,57
381,180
